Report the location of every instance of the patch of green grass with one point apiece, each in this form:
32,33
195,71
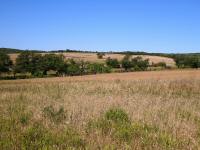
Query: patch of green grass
116,125
117,115
38,137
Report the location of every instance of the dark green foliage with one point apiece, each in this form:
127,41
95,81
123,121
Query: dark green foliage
139,64
117,115
73,69
83,67
28,62
114,63
5,62
31,64
38,65
187,61
126,63
98,68
53,62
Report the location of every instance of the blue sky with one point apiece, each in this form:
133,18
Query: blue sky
104,25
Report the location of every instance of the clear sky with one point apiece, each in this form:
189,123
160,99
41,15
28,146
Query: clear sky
104,25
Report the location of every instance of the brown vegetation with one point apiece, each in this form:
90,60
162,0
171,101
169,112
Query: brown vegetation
163,108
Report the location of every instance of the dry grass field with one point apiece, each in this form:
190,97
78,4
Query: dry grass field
141,110
92,57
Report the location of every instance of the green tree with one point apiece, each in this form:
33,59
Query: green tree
114,63
187,61
53,62
83,67
28,62
5,62
73,69
126,63
95,68
139,64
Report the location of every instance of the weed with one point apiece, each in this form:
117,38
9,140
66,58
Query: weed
55,116
117,115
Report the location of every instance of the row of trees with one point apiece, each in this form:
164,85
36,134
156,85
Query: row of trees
187,61
39,65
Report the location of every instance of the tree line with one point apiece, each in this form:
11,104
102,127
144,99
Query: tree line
39,65
187,61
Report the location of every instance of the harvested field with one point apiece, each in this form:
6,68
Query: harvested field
163,111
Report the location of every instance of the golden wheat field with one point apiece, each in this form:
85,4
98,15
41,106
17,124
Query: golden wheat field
92,57
141,110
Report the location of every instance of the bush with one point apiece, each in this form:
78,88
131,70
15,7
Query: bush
98,68
100,55
126,63
160,64
55,116
52,62
139,64
73,69
117,115
114,63
5,62
187,61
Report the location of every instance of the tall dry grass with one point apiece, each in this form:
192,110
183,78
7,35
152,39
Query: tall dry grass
170,106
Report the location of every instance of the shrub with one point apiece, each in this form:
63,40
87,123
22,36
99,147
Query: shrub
100,55
126,63
73,69
55,116
139,64
5,62
117,115
52,62
98,68
114,63
187,61
160,64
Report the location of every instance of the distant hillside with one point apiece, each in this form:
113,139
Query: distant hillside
10,50
13,51
171,55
